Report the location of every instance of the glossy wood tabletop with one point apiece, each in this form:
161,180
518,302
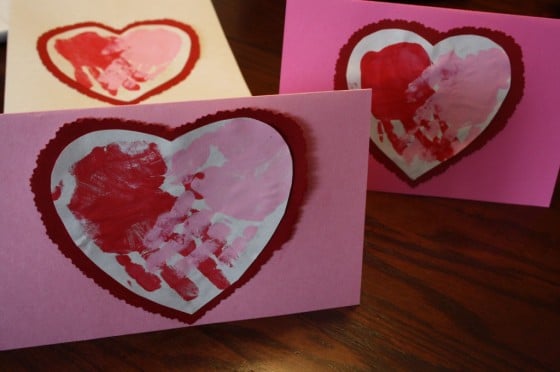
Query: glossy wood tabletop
447,284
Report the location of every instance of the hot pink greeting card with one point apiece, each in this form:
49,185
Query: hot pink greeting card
463,103
148,217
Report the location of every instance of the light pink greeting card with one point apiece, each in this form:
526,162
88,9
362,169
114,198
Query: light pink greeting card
148,217
463,103
73,54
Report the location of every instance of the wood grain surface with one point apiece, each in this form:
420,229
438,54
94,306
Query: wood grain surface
447,284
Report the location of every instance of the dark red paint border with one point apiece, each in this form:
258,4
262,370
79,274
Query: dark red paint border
512,49
40,183
182,75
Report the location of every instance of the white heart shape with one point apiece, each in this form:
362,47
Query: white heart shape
218,194
470,76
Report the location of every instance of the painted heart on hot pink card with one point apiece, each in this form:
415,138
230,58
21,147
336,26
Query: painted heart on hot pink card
172,219
123,66
435,96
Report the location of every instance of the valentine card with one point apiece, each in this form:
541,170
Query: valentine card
463,103
137,218
73,54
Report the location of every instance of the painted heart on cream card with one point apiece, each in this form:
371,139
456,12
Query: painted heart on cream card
120,66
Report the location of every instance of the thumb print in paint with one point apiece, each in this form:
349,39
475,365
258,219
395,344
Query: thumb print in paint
120,66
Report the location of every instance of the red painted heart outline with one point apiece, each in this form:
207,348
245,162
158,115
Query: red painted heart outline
42,49
433,36
40,182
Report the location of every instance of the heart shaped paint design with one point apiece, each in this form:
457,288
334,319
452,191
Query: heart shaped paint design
120,66
433,94
173,216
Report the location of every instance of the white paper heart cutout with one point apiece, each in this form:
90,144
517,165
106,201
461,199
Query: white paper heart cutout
120,66
430,100
175,221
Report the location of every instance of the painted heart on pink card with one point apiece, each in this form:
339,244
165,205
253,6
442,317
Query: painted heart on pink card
171,219
435,96
123,66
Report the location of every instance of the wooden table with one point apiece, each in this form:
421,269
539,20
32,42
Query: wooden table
447,284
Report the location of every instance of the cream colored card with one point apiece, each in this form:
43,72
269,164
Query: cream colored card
4,8
73,54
